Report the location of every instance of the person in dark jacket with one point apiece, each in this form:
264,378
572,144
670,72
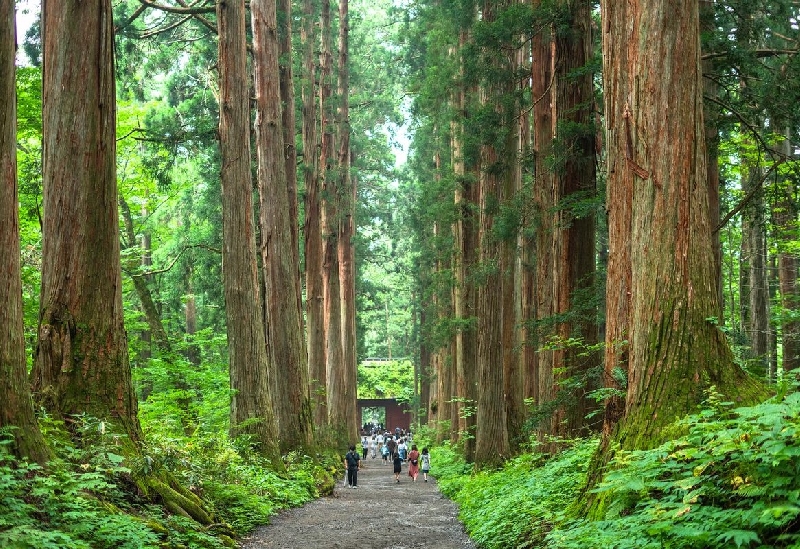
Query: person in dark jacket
352,462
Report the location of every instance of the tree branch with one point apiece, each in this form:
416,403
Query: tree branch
175,259
186,10
748,197
760,54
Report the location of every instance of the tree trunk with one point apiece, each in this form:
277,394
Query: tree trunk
447,405
251,397
131,268
710,117
785,219
426,373
565,250
509,260
464,291
16,407
347,210
754,241
289,123
313,228
81,363
337,392
281,276
491,436
661,286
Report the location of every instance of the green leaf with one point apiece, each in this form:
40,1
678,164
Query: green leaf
742,538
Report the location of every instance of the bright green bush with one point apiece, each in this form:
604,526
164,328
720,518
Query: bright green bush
518,504
87,498
67,507
732,481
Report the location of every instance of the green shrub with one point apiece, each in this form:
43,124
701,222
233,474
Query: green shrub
732,481
87,498
518,504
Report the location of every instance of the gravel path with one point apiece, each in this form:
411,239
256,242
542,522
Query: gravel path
379,514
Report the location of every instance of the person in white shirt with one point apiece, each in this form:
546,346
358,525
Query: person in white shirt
403,449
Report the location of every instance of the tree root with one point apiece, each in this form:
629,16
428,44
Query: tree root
179,500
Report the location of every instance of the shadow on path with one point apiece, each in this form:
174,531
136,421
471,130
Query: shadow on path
379,514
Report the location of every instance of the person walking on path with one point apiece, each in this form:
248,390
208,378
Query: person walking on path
413,462
392,444
352,461
364,447
384,453
398,465
425,458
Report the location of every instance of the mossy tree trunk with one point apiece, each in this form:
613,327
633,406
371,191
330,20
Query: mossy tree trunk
16,408
661,284
81,366
81,363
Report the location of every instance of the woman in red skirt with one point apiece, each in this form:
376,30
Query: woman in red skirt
413,462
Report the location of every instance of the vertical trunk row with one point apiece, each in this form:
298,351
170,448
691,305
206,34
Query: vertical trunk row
315,320
346,250
565,241
249,363
281,276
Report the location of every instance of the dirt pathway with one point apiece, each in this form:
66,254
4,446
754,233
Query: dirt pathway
380,514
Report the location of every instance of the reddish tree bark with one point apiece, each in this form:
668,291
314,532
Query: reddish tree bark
81,364
281,277
16,408
251,397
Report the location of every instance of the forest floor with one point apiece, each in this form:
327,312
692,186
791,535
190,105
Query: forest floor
379,514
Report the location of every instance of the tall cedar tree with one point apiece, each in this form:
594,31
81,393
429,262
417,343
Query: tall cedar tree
281,277
315,319
251,399
565,243
334,365
81,364
16,408
785,217
491,435
464,291
346,249
661,286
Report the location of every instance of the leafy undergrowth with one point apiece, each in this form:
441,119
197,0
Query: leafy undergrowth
519,503
86,498
732,482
